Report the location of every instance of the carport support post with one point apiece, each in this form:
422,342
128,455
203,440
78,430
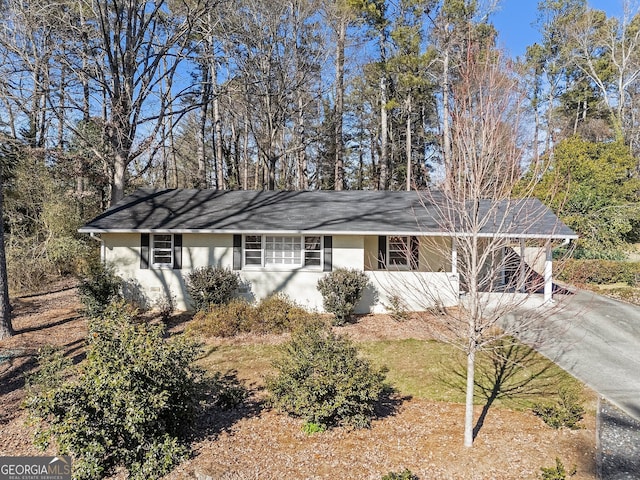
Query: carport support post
523,271
454,256
548,273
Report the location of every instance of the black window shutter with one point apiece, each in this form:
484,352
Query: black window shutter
177,251
237,252
415,253
144,250
382,252
328,254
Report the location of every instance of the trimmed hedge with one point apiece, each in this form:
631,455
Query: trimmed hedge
600,272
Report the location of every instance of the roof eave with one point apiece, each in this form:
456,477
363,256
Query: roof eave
551,236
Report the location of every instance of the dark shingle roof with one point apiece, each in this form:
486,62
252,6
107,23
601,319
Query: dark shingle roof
321,212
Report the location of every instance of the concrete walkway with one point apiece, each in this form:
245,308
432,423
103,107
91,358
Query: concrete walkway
596,339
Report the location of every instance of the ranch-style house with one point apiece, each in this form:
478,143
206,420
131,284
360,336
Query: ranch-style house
285,241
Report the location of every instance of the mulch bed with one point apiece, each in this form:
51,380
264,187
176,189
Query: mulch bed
254,442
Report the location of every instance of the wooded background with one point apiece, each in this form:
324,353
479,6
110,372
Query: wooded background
99,97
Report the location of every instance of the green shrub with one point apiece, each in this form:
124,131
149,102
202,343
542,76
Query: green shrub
341,291
310,428
403,475
211,286
566,412
322,379
68,255
558,472
99,287
274,314
600,272
127,404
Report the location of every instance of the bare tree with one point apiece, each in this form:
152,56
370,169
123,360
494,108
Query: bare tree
607,50
276,56
485,204
28,35
134,48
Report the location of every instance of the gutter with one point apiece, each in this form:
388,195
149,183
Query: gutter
418,233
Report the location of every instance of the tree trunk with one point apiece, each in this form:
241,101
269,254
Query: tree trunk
271,172
245,156
446,126
6,328
303,178
339,106
468,411
217,122
205,97
408,143
384,130
119,176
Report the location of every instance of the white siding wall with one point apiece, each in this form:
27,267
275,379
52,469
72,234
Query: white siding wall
198,250
123,251
300,285
418,290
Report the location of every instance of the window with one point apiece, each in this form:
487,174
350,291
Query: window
402,252
253,250
162,250
282,251
312,251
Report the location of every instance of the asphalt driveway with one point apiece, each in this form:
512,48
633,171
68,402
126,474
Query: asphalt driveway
596,339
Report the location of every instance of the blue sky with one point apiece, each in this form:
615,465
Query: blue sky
515,18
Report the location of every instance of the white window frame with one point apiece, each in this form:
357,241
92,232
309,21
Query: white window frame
283,251
301,257
153,249
405,250
245,250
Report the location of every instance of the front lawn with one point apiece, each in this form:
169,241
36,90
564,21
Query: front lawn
423,369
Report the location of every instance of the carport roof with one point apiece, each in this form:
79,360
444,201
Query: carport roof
324,212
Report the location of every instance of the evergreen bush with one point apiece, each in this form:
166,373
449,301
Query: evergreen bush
211,286
600,272
322,379
128,404
406,474
221,320
567,411
228,391
341,291
559,472
278,314
99,287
